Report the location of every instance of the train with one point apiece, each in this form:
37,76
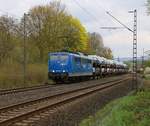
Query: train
72,66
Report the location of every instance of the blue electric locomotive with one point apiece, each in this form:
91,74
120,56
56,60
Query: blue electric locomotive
64,66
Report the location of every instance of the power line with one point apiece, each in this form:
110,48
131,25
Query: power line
99,5
134,31
113,28
91,15
86,11
119,21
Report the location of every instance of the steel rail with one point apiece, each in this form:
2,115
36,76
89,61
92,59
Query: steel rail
24,89
53,96
17,90
79,93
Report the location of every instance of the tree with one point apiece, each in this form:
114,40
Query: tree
75,35
107,53
148,6
6,37
96,43
40,27
97,46
96,40
51,28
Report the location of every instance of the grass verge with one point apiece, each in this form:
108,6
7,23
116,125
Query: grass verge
147,76
133,110
11,76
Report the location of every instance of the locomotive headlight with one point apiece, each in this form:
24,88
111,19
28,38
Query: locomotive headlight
53,71
64,71
62,64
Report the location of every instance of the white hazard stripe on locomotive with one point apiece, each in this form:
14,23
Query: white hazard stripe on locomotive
80,74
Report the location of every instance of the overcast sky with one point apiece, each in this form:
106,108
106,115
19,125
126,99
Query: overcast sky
120,41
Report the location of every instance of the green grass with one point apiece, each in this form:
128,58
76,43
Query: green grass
11,76
147,76
128,111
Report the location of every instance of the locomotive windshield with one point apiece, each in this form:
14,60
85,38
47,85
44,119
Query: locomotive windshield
61,58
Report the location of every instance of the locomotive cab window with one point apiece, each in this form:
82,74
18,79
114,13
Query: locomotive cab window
61,58
53,57
84,63
64,58
77,60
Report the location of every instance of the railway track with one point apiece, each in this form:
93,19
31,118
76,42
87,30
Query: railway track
17,90
26,113
24,89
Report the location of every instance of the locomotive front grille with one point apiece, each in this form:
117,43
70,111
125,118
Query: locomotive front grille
53,75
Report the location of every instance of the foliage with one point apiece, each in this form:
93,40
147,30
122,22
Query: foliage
45,28
147,76
36,74
77,37
129,64
147,63
96,43
6,37
97,46
129,111
49,28
107,53
148,6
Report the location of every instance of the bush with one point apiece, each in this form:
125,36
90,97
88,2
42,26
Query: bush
147,63
37,73
129,111
147,70
11,76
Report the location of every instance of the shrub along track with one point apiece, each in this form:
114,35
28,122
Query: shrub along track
24,114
